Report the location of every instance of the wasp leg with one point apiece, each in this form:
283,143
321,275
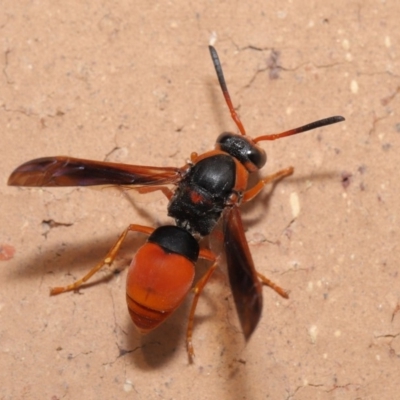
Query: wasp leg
267,282
253,192
206,254
148,189
108,260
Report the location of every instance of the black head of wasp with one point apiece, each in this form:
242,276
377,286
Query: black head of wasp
210,186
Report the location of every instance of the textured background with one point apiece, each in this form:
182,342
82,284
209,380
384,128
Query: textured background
133,82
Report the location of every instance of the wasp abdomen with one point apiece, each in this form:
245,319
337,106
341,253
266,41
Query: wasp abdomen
160,276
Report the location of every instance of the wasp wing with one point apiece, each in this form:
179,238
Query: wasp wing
246,288
69,171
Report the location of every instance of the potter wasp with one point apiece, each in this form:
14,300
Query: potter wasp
208,188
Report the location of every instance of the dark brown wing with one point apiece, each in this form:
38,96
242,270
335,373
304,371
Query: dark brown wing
68,171
246,288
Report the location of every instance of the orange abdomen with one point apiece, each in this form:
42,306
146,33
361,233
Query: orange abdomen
156,285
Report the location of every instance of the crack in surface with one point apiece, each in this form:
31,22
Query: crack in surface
8,80
27,113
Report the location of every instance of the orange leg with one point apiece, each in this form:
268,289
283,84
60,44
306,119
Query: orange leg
148,189
267,282
253,192
249,195
108,260
208,255
193,156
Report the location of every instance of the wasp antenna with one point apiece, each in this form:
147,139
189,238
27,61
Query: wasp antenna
304,128
224,88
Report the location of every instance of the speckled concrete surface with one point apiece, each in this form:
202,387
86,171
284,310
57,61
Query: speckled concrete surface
133,82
